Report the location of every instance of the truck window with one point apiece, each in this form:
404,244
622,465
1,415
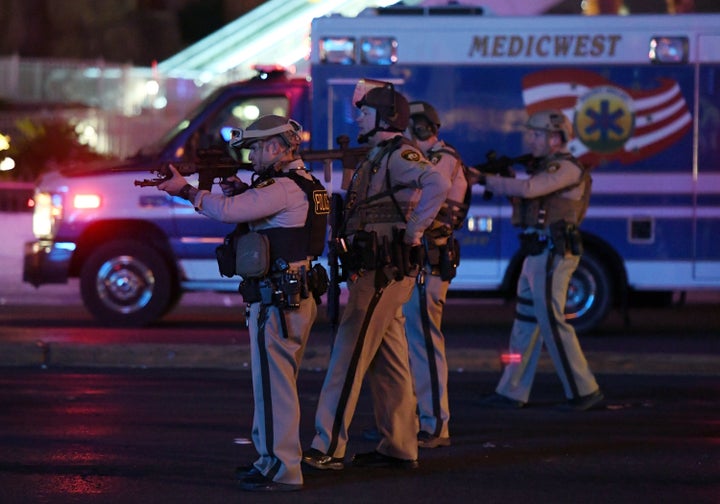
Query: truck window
237,113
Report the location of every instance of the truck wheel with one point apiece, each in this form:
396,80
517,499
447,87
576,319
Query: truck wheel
126,283
589,294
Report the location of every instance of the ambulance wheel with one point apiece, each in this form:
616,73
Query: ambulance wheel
589,294
126,283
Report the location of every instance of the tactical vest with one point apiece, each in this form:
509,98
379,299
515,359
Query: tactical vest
297,244
546,210
359,208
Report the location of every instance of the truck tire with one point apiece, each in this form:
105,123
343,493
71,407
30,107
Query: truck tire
589,294
126,283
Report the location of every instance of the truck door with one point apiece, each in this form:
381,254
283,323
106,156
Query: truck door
707,176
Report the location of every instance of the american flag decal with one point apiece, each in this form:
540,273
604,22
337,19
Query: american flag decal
610,122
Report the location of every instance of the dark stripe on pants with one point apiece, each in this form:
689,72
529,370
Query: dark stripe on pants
351,372
554,326
266,389
432,364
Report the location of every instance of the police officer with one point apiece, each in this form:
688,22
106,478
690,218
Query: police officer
393,196
423,313
548,207
287,208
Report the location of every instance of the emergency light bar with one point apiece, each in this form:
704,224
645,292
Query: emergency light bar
338,50
669,49
347,51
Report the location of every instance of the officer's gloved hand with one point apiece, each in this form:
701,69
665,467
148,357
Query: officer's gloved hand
232,186
174,184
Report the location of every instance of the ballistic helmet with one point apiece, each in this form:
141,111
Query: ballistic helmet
268,126
424,109
391,106
551,121
430,123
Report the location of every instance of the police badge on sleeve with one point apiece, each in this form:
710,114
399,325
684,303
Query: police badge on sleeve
265,183
410,155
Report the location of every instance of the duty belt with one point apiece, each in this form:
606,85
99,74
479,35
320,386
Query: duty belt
533,242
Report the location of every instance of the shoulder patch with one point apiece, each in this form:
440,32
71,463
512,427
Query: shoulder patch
265,183
435,158
410,155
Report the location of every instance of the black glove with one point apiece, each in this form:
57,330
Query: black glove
232,186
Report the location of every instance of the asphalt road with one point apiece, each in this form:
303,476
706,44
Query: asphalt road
163,414
166,436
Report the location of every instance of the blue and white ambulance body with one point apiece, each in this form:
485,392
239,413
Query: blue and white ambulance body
643,93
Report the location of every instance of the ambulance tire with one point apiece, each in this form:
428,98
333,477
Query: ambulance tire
589,294
126,283
176,294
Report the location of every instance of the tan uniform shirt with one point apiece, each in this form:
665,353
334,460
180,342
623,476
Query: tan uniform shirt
559,175
426,189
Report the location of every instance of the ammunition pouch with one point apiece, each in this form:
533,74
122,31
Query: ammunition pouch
284,289
226,257
317,281
526,212
368,252
252,255
566,238
533,243
226,254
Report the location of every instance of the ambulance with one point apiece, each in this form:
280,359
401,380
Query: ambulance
642,92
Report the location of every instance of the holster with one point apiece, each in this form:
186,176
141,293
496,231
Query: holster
362,253
566,238
449,259
406,259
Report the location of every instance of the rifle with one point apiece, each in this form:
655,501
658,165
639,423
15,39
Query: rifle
502,166
213,165
349,157
335,247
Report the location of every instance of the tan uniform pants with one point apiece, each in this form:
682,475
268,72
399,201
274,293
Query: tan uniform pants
542,292
370,340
